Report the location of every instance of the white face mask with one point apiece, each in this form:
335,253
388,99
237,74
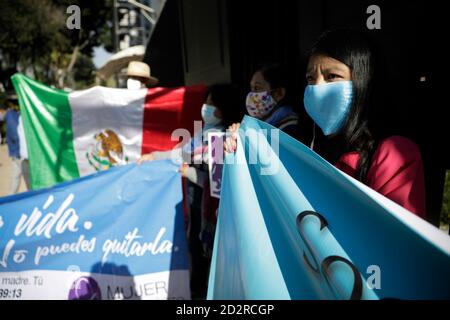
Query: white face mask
134,84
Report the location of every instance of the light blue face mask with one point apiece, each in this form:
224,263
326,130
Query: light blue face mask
208,115
329,104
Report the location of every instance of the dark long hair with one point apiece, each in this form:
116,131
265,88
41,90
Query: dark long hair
354,49
227,98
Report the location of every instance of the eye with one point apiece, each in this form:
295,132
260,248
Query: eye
334,76
309,78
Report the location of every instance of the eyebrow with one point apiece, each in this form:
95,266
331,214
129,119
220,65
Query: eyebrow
327,70
331,69
257,83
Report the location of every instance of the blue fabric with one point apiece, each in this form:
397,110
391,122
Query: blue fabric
12,136
132,206
280,114
268,242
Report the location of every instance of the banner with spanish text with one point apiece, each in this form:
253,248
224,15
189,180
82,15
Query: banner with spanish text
116,234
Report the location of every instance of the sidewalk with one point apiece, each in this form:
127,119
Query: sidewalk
5,164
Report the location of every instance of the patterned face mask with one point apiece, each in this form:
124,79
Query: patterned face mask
259,104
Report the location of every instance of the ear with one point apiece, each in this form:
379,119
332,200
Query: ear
218,113
278,94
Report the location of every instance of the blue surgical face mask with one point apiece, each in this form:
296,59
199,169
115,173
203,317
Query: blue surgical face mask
329,104
208,115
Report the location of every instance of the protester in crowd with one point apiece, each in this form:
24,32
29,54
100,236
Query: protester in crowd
343,81
12,140
23,152
2,125
220,110
270,99
139,76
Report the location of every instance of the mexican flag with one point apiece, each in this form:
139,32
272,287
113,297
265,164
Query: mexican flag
74,134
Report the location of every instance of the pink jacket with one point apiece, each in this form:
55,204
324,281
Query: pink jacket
396,171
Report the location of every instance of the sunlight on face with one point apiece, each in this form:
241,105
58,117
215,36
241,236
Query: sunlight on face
323,69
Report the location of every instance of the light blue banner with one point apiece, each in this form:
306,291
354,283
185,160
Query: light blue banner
121,225
291,226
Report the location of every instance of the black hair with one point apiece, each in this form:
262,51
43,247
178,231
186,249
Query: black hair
277,76
227,98
354,49
11,103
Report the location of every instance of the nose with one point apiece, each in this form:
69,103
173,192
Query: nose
319,79
315,76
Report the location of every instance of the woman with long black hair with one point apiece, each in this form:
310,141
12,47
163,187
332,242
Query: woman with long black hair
343,87
344,84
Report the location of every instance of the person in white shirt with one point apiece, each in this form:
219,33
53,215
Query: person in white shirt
25,167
